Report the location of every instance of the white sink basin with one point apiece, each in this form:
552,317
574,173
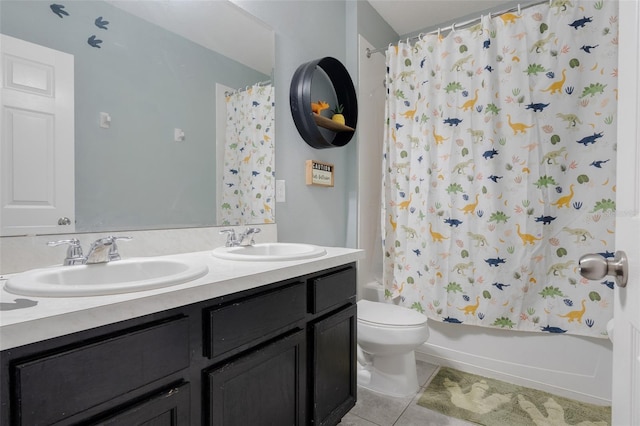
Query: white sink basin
121,276
270,252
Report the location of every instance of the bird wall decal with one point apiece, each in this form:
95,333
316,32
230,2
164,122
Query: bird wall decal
101,23
94,42
58,9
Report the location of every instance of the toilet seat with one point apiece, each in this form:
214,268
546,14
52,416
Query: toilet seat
386,314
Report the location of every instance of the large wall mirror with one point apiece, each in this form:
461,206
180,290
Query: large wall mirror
173,122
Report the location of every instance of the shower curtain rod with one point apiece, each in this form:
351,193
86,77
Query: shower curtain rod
260,83
462,25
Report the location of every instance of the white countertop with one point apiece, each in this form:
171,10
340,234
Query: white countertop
58,316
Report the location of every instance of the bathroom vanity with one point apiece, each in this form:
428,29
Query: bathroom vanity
250,343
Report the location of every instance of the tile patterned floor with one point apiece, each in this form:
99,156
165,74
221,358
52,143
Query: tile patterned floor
373,409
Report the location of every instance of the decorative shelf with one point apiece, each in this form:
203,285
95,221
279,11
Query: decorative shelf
309,123
329,124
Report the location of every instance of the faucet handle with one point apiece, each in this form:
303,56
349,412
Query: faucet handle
74,251
231,237
246,238
113,250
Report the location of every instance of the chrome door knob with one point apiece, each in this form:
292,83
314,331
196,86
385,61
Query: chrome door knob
594,267
64,221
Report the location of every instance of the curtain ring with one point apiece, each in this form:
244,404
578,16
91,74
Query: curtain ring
453,27
519,10
438,33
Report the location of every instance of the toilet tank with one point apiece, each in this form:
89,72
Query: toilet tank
373,291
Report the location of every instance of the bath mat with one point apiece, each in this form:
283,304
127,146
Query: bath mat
492,402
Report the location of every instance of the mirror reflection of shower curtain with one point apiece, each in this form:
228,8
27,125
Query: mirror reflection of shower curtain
248,194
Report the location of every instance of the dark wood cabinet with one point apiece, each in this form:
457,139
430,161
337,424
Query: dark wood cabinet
169,407
281,354
54,386
333,366
232,327
264,387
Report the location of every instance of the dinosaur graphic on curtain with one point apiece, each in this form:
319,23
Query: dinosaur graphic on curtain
499,169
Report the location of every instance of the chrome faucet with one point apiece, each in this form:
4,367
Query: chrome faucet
101,251
246,238
74,251
243,239
113,249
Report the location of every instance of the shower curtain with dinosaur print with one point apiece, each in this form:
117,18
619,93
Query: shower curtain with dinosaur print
499,169
248,195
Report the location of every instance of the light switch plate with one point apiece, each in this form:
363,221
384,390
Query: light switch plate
105,120
280,191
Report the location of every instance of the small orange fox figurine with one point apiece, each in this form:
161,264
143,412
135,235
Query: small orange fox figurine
319,106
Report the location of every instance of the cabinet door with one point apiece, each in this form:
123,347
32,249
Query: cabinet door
333,366
264,387
166,408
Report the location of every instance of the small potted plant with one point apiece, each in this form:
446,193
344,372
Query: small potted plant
337,114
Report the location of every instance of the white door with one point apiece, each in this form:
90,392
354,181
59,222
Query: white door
37,139
626,340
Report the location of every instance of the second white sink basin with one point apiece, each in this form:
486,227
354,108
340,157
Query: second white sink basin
270,252
121,276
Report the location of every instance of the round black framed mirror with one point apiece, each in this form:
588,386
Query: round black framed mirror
309,123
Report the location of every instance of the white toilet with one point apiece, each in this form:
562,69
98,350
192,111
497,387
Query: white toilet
387,337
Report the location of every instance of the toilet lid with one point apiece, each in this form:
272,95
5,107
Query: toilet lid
388,314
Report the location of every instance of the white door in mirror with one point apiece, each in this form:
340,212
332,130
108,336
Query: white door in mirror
37,173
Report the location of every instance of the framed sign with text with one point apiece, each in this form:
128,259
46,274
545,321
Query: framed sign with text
319,173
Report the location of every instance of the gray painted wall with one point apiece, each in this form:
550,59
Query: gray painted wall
307,30
372,27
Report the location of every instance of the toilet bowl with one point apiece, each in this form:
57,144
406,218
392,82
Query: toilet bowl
387,337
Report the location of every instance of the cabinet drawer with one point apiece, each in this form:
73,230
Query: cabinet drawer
168,407
253,320
332,289
58,385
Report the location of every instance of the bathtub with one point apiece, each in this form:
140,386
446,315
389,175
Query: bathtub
572,366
